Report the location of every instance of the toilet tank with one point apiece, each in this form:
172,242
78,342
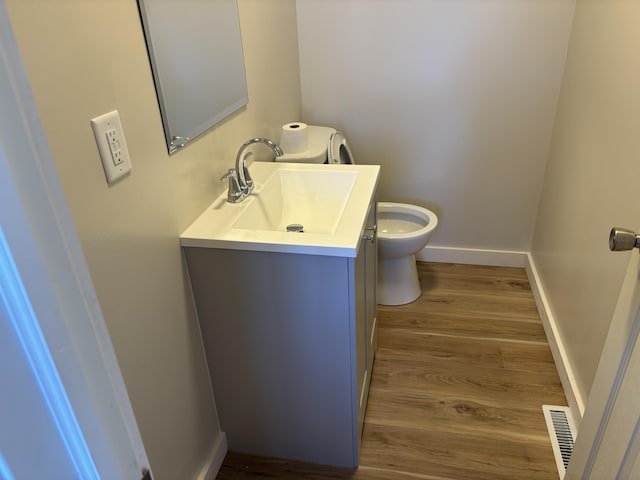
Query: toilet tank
318,139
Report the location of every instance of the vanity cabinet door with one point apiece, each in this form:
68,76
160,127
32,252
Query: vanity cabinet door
366,309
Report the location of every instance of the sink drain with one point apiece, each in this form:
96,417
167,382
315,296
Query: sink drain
295,227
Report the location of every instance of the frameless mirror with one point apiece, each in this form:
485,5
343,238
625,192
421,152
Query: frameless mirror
196,57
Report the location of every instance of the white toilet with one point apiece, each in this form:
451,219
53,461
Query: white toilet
403,229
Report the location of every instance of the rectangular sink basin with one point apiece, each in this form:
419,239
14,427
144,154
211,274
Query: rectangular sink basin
330,202
312,199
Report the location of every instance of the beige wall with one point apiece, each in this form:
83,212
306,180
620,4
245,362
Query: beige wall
87,57
455,99
591,179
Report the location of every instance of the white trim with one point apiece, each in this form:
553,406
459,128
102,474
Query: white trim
213,464
472,256
556,343
27,329
629,465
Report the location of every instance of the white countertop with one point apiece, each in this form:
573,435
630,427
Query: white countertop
214,228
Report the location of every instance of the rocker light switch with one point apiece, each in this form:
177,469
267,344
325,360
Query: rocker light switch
112,146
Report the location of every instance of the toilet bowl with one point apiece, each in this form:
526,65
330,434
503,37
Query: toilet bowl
403,230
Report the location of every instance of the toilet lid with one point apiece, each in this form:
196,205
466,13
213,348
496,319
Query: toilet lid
339,151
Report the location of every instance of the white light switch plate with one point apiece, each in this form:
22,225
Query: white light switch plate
112,146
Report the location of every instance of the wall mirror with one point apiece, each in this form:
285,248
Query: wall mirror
196,57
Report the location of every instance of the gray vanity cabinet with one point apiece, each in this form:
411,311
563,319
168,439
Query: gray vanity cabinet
290,341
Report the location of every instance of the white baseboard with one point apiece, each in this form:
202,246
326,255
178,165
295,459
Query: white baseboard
560,357
216,457
505,258
471,256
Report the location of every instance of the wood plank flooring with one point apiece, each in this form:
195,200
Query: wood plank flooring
457,390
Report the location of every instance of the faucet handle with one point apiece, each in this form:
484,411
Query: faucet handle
234,194
230,173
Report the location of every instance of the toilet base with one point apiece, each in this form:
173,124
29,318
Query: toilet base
398,281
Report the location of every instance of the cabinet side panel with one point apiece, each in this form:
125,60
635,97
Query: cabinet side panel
277,338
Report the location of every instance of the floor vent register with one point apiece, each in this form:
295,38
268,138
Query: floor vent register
562,434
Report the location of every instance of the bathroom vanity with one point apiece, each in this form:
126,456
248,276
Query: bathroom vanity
288,319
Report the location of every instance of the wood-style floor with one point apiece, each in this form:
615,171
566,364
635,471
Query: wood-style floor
457,390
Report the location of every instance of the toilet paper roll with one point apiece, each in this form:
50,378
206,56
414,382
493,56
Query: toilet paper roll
293,138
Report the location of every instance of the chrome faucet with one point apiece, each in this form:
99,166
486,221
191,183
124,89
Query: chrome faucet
240,182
